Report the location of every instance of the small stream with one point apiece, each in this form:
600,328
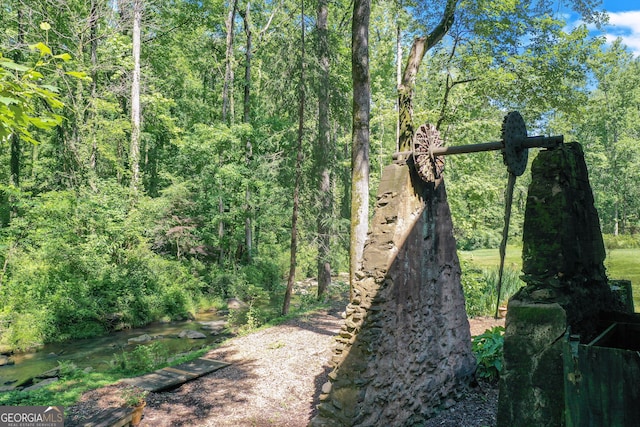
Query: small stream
97,353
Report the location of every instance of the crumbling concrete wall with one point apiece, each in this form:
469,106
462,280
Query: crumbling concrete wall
405,348
563,255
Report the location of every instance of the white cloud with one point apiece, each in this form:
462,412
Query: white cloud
625,25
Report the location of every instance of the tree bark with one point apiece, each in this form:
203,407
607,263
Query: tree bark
298,179
398,70
324,155
134,153
360,135
93,32
405,91
248,221
227,92
14,160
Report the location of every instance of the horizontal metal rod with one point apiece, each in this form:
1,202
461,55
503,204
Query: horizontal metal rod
463,149
529,142
542,141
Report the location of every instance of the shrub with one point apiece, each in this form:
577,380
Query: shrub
480,288
621,241
488,349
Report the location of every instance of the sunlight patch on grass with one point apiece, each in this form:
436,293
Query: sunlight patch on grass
620,264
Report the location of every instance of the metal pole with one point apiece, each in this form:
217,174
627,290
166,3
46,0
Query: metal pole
463,149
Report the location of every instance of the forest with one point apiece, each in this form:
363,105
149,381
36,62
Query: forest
158,157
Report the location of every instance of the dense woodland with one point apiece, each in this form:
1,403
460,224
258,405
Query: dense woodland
156,156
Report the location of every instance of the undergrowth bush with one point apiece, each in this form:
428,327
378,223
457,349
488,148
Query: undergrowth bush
621,241
489,350
73,260
144,358
480,288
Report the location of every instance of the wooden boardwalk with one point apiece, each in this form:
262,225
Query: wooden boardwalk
160,380
173,376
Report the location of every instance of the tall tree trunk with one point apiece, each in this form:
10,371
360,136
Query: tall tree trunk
134,152
298,179
93,34
227,89
360,135
248,223
398,70
324,157
14,161
405,91
221,252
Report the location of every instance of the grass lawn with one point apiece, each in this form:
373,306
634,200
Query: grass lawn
625,264
620,264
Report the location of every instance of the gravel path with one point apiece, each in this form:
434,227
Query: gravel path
274,380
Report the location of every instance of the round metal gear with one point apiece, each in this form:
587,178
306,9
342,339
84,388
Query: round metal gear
428,167
514,132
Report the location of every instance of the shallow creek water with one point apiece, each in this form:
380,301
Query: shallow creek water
98,352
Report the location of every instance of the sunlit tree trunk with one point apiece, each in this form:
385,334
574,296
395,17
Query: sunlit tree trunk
248,221
324,155
14,160
227,89
298,178
398,70
134,154
405,91
360,135
93,33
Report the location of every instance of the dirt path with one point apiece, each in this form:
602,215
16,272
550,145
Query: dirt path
274,380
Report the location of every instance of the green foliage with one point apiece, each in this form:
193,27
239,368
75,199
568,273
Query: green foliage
489,349
144,358
79,257
61,393
21,88
621,241
134,396
480,288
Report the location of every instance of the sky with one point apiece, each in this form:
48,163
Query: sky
624,21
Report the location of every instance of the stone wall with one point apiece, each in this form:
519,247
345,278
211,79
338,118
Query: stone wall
405,348
566,287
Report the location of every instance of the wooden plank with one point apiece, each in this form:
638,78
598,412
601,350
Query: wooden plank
116,417
174,376
201,366
158,380
180,372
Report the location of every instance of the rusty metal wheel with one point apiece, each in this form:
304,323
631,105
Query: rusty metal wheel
428,167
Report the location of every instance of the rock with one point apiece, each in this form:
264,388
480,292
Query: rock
7,388
5,361
214,325
236,304
41,384
51,373
194,335
140,339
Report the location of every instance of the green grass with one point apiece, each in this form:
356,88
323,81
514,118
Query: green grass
490,258
625,264
620,264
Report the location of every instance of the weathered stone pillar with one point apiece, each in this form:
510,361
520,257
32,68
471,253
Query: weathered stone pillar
405,348
562,257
